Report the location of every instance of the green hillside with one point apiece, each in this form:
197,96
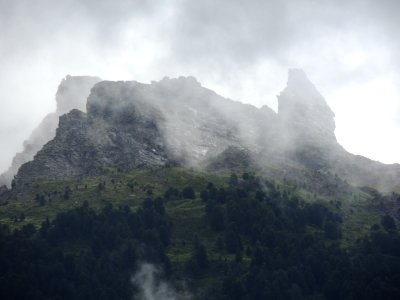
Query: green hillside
33,203
227,236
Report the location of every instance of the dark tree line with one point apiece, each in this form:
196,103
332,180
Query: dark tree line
83,254
294,248
269,243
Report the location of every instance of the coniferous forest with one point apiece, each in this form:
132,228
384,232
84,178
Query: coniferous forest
255,241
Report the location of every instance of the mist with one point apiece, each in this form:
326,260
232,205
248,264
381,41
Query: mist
151,287
240,50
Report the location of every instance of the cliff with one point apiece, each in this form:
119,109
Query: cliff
72,93
304,113
134,125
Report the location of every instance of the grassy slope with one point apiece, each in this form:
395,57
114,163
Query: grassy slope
117,191
358,210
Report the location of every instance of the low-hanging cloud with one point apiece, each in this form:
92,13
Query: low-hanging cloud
151,287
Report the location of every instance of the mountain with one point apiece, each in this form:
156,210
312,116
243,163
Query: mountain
71,94
177,121
130,125
170,191
304,114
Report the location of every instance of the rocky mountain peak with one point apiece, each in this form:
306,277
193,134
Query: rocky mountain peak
303,111
131,125
299,83
71,94
180,82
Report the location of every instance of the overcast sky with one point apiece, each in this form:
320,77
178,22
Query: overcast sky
241,49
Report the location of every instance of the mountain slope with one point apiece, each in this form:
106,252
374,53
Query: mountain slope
72,93
239,202
235,236
130,125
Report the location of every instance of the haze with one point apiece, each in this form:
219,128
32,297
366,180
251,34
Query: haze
242,50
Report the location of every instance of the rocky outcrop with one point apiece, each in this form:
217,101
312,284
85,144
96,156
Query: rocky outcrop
231,159
134,125
71,94
307,130
195,122
303,112
85,146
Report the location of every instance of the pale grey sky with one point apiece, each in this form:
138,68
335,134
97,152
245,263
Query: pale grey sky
241,49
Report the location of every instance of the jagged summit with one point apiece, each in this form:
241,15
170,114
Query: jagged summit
303,111
132,125
180,82
71,94
300,85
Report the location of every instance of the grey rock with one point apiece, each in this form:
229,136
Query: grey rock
303,112
232,158
3,190
132,125
71,94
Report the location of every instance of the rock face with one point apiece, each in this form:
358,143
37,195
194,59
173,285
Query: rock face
232,158
133,125
72,93
304,113
85,145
